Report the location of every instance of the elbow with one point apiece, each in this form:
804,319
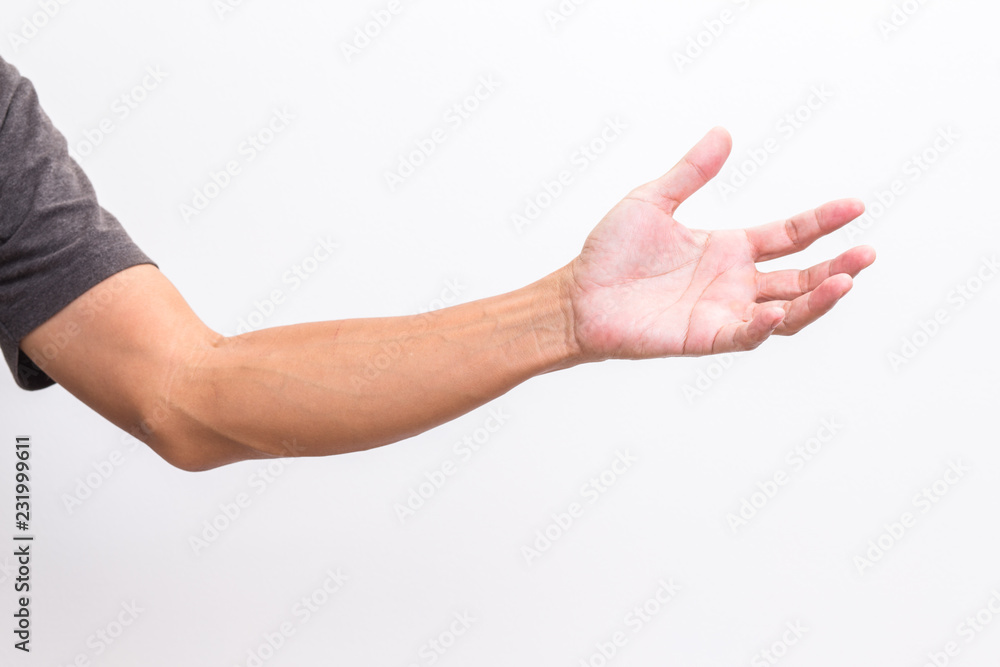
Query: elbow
196,454
180,451
184,419
176,420
187,445
191,456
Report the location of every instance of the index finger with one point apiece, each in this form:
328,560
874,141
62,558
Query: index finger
784,237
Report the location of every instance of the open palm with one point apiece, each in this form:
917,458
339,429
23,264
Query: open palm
646,286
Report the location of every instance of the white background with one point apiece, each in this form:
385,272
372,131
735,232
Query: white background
704,433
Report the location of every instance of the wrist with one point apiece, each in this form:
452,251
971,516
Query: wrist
555,320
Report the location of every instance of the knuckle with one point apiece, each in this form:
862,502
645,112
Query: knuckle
793,232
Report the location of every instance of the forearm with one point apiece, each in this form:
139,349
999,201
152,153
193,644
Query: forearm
332,387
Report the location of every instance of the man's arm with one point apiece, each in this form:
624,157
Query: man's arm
644,286
200,400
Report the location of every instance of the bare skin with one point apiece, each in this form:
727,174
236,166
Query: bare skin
644,286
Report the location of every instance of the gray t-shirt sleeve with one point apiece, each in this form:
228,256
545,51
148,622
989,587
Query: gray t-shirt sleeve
56,242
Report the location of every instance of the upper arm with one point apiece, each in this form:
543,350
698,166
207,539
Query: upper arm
119,348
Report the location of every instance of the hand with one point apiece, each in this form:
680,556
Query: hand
646,286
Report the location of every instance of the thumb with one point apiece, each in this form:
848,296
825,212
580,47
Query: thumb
694,170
